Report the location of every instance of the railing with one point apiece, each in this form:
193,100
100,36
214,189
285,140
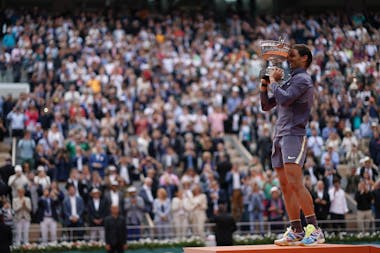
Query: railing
169,231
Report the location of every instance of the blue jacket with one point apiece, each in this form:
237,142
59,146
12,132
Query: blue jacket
67,209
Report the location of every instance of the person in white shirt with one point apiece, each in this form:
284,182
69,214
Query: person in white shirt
180,213
315,143
17,122
41,178
198,207
23,208
338,206
18,180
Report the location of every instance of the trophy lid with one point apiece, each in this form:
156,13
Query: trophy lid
274,51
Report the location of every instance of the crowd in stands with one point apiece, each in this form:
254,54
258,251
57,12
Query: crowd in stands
131,110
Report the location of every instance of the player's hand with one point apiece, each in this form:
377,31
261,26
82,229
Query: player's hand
125,246
108,247
276,75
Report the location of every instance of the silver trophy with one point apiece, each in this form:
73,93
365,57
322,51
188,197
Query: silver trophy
274,52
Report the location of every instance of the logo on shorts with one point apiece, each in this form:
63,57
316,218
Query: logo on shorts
291,157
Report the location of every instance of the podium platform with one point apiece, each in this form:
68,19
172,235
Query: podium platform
321,248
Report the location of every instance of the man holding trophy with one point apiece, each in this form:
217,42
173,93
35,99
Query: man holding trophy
294,99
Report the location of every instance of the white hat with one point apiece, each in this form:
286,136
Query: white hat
95,190
18,168
347,130
274,189
330,145
40,168
235,89
132,189
111,168
366,159
114,182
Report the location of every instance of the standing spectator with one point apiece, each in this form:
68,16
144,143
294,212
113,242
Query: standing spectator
276,209
48,216
115,196
198,207
23,208
98,160
115,230
256,208
97,209
8,213
376,196
147,195
73,208
17,122
338,207
368,168
374,146
315,143
264,147
26,148
5,236
18,180
349,140
321,200
42,179
225,225
180,210
363,198
234,181
134,209
162,213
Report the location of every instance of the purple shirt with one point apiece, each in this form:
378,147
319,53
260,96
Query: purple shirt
294,99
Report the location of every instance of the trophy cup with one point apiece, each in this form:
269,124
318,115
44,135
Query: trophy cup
274,52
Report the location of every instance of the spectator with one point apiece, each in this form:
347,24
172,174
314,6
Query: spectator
376,196
147,195
338,207
134,209
18,180
363,198
23,208
276,209
98,160
198,207
26,148
73,208
17,122
115,231
368,168
256,208
97,209
5,235
321,200
180,210
162,213
115,197
48,216
8,213
225,225
42,179
234,180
